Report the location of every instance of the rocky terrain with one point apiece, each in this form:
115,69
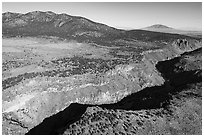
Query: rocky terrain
68,75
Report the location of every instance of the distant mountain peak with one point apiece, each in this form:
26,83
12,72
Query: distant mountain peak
159,26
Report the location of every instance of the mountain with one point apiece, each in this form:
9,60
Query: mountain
38,23
158,26
48,23
166,29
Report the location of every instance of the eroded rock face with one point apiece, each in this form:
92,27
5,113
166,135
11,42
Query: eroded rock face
33,101
184,45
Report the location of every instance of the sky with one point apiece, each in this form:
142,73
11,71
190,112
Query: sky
125,15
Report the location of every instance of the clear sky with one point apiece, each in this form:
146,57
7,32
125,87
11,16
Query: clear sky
121,14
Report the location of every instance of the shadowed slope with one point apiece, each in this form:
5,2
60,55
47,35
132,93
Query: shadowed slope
50,125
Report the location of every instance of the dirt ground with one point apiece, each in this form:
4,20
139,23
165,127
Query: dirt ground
22,55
